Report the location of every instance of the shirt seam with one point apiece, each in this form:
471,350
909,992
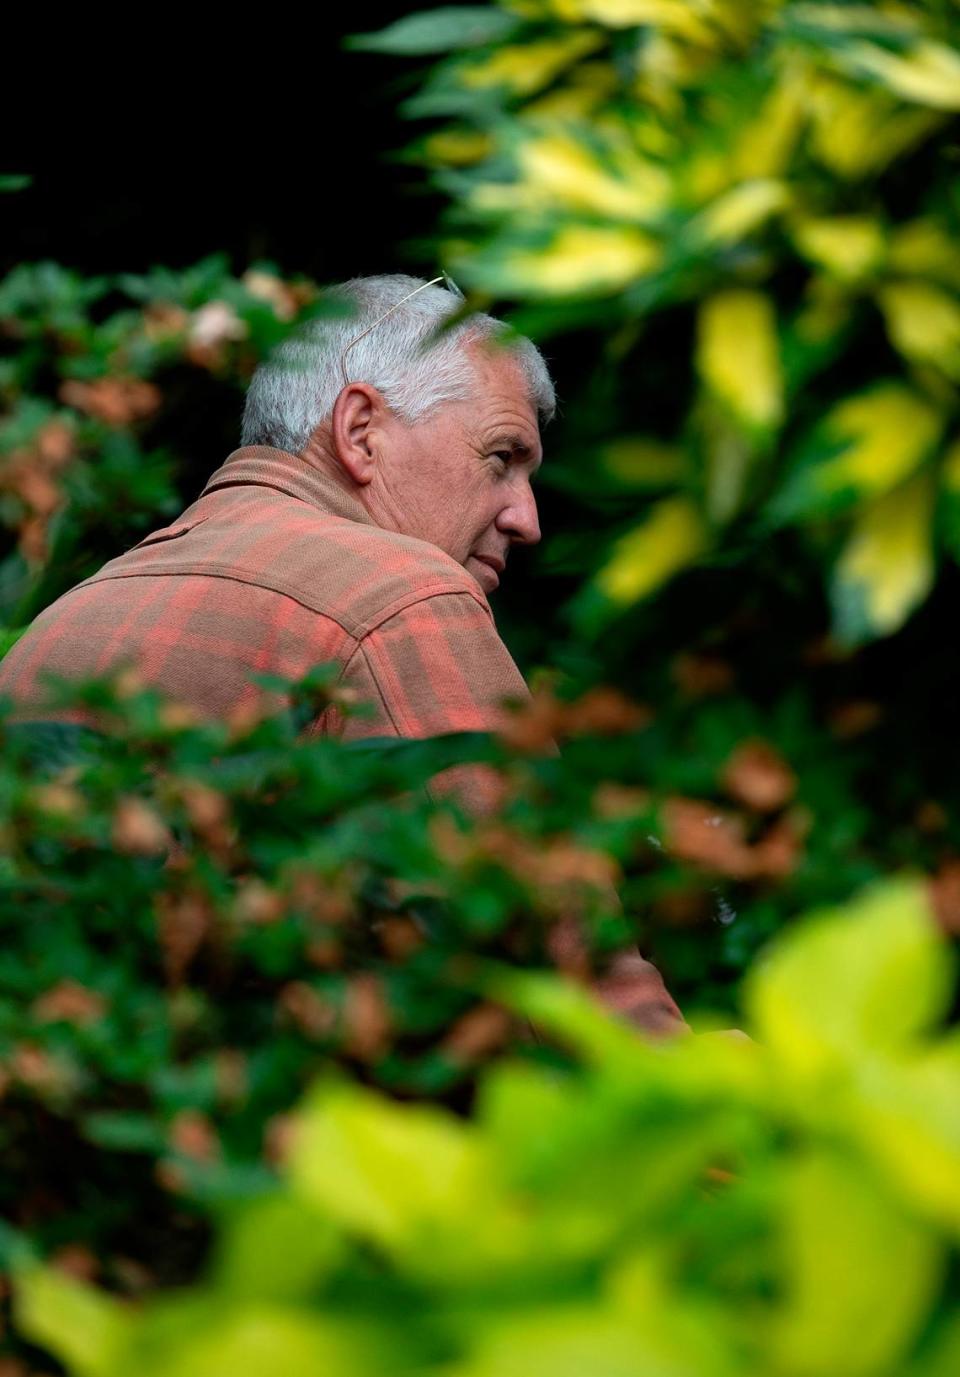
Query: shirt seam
358,631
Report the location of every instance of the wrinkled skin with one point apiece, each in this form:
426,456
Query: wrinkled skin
458,478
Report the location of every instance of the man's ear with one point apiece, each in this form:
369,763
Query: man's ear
354,430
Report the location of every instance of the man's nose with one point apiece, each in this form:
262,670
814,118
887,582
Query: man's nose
520,520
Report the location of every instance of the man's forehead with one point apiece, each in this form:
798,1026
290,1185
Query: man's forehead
503,400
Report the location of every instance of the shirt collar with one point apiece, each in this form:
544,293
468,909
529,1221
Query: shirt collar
275,468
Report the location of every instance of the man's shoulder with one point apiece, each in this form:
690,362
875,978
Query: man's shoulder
358,574
378,573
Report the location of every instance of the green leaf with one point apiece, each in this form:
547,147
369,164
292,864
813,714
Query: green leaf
907,1117
274,1249
571,260
254,1338
859,1272
392,1173
887,566
672,535
439,31
849,247
923,322
865,446
570,1013
738,356
83,1327
927,75
866,979
561,1341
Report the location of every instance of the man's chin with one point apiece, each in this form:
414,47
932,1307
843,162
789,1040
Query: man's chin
485,574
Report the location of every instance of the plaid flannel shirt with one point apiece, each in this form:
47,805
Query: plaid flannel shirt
276,568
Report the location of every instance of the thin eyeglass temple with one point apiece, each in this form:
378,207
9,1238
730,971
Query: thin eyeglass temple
448,282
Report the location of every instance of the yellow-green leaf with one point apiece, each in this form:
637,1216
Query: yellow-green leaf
865,979
863,448
83,1327
562,170
766,142
907,1117
254,1338
928,75
579,259
950,473
392,1173
887,566
860,1272
560,1341
739,212
923,322
738,356
672,536
638,462
923,248
856,132
849,247
527,67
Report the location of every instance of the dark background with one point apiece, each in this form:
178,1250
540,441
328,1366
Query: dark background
320,192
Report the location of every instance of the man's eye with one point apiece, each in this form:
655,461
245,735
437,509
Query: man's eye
504,455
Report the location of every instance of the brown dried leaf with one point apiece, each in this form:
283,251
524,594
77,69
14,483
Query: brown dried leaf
931,816
137,829
117,401
278,1139
944,890
324,899
256,902
58,799
193,1135
183,921
854,718
34,1067
399,937
77,1260
230,1075
700,676
309,1011
324,952
366,1018
267,287
533,727
606,712
215,323
162,320
759,777
698,832
69,1002
615,801
480,1031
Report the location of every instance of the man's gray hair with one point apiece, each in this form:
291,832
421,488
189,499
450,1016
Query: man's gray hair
295,389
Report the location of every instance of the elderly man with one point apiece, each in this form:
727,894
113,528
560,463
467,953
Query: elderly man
384,477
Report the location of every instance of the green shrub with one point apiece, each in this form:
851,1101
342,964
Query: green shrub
198,918
788,1207
734,227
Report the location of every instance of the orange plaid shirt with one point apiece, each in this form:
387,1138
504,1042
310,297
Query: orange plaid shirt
275,568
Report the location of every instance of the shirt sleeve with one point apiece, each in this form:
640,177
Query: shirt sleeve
437,666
